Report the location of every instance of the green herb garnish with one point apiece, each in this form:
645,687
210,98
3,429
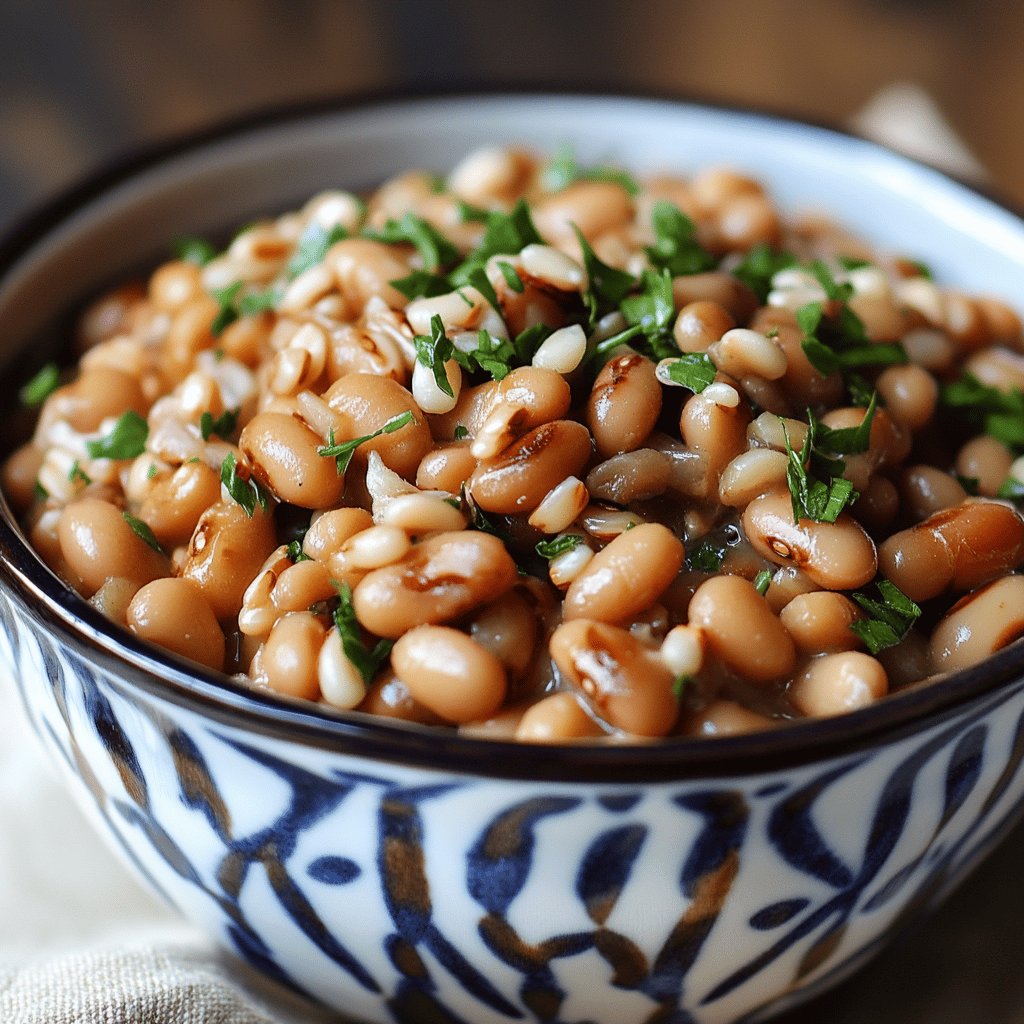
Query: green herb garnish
1011,489
77,473
368,661
564,169
433,351
312,247
762,581
421,284
41,386
342,453
244,490
461,433
295,552
812,498
559,545
227,299
653,311
126,440
512,278
891,618
223,426
142,530
434,249
759,266
194,250
706,557
606,286
999,413
839,344
847,440
679,685
676,249
693,370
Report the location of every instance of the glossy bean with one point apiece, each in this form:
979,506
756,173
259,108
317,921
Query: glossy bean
174,614
624,404
979,625
556,718
175,503
834,684
820,622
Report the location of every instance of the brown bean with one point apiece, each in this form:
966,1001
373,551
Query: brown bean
282,451
446,468
802,384
449,673
624,404
97,542
330,530
441,578
99,393
287,661
508,629
716,433
365,403
390,698
700,324
592,206
625,682
190,333
174,284
174,614
174,504
959,548
837,556
627,576
727,718
741,629
926,490
111,314
20,472
820,622
517,480
366,268
555,718
978,625
716,286
834,684
910,394
631,476
986,460
227,549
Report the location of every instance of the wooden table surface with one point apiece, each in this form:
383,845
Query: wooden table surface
81,82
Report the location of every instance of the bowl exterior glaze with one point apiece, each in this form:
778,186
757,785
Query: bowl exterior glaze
399,894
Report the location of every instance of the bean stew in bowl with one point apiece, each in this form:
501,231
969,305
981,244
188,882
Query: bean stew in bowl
543,449
576,580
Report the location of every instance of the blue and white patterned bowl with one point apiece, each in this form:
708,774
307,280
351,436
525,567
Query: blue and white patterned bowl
406,875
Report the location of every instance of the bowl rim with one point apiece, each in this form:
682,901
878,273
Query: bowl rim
133,664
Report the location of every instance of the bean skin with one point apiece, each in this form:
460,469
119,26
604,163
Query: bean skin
174,505
820,621
740,628
440,579
173,613
449,673
959,548
627,683
625,577
519,478
287,662
978,625
446,468
556,718
834,684
836,556
624,404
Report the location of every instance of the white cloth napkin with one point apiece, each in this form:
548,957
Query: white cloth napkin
81,942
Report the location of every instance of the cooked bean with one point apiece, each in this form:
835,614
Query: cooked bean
592,206
365,269
365,403
418,514
717,433
375,547
833,684
979,624
625,577
174,614
175,503
225,553
508,629
718,287
449,673
986,460
625,682
910,394
802,383
97,542
446,468
560,506
557,717
741,352
287,662
390,698
878,504
174,284
727,718
302,585
751,474
98,394
837,556
630,476
518,478
700,324
820,622
682,650
440,579
926,490
740,628
190,333
20,472
341,683
624,404
329,531
959,548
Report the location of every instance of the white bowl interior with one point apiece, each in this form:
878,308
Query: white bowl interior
898,205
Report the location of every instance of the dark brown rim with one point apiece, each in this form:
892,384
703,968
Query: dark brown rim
162,675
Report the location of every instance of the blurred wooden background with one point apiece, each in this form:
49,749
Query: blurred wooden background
82,81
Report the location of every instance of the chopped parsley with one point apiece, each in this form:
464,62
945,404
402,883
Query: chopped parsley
142,530
512,278
891,618
126,440
312,247
562,545
77,473
653,310
295,552
565,169
434,249
41,386
606,286
693,370
367,660
759,266
461,433
433,351
679,685
194,250
846,440
999,413
812,498
762,581
839,344
40,491
342,453
706,557
227,300
676,249
1012,489
223,426
421,284
493,355
242,489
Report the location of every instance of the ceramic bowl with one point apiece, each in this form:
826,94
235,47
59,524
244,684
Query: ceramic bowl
409,875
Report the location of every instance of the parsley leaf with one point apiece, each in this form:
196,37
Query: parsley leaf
461,433
295,552
194,250
891,618
762,581
847,440
77,473
679,685
676,249
126,440
706,557
421,284
435,250
494,355
653,310
312,247
512,278
528,340
759,266
244,490
142,530
433,351
228,313
606,286
813,498
693,370
342,453
366,660
223,426
564,169
41,386
559,545
1012,489
1000,413
837,344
